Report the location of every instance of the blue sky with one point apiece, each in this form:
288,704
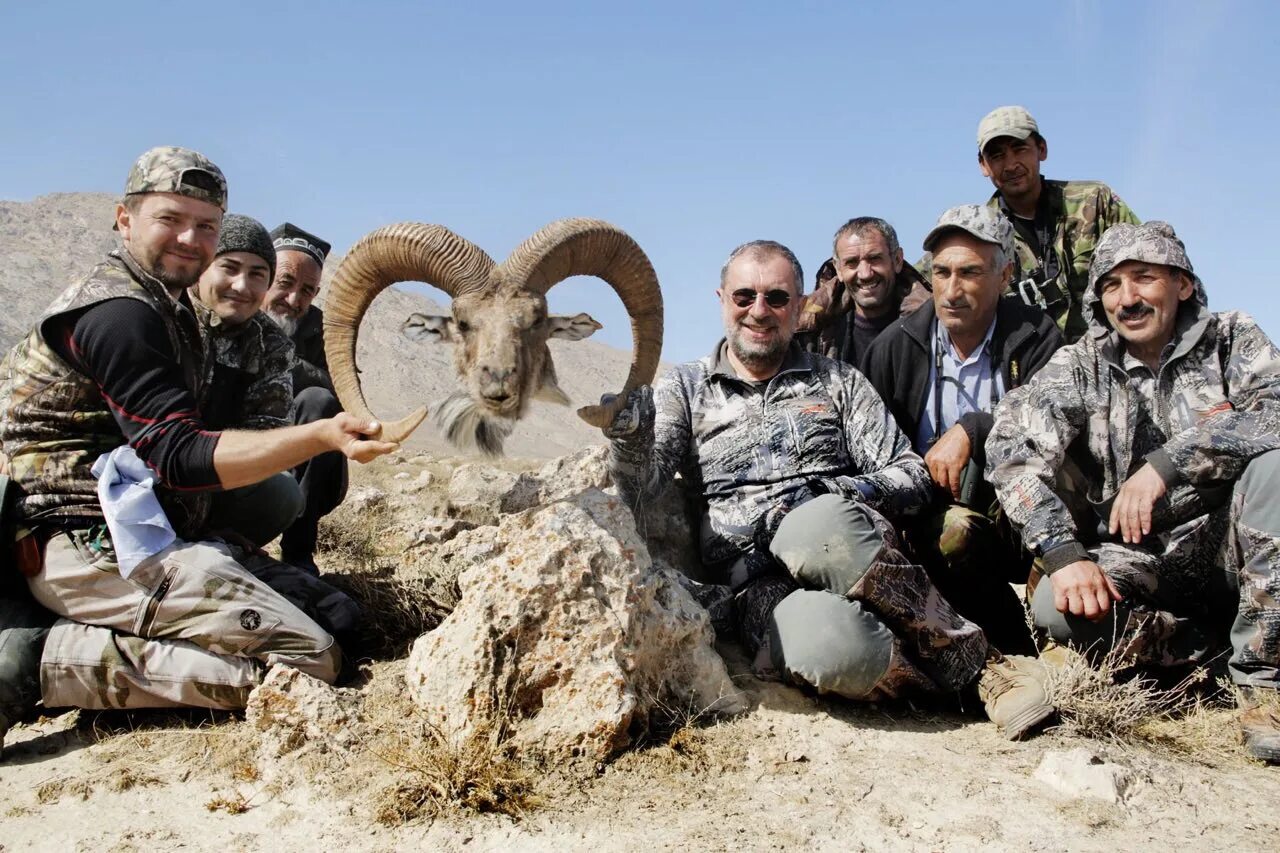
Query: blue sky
694,126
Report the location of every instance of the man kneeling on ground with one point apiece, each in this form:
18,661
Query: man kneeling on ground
1173,414
800,466
149,619
248,385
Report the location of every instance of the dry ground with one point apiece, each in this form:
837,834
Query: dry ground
795,771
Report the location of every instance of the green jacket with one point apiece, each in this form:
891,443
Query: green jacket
1080,211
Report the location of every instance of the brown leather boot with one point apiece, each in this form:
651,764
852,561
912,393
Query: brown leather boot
1013,690
1260,723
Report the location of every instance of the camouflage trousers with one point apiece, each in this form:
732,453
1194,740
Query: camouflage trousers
852,615
190,626
1213,586
972,558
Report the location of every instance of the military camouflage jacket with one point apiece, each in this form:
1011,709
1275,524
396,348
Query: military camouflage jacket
1218,395
54,422
825,326
1081,211
248,379
748,447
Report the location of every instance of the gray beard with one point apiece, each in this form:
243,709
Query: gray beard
758,357
288,324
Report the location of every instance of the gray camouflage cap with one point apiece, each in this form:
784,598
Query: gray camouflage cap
1005,121
1152,243
169,169
985,223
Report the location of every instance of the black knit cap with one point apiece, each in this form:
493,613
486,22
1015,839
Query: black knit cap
246,234
289,237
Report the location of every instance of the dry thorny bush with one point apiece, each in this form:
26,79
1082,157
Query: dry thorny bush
1108,700
406,605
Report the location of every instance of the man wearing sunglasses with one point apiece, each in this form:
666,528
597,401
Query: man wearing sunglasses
942,371
800,467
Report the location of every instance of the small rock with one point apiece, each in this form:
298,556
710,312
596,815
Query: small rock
480,494
365,498
433,531
1080,773
295,711
401,475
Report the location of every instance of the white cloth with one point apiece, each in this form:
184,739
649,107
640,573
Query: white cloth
126,490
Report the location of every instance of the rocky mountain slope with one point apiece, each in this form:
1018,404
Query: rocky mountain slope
48,242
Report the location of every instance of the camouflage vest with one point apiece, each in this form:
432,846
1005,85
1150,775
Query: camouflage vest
54,421
247,369
1056,280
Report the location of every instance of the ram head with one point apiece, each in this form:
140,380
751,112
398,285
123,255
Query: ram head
499,322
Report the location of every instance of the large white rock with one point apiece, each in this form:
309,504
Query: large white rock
567,637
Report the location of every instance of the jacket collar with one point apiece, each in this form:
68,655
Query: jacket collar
795,359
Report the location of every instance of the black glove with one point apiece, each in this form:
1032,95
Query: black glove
635,418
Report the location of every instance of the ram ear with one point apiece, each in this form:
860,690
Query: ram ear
549,390
431,328
573,328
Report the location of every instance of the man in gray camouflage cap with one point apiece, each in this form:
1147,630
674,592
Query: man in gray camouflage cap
178,617
1056,223
1172,414
942,371
801,468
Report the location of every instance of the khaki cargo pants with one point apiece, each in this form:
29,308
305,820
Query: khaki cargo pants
190,626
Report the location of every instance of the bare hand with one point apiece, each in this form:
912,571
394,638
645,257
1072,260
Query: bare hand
347,434
1083,589
1131,511
947,458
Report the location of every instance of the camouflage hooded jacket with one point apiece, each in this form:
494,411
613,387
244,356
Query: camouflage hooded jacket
1218,404
1082,211
248,381
747,448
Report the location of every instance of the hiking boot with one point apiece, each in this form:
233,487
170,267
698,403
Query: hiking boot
1012,689
1260,724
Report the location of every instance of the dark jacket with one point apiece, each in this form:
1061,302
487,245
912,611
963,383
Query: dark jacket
899,361
311,368
825,324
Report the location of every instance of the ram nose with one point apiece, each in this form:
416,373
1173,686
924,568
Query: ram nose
497,386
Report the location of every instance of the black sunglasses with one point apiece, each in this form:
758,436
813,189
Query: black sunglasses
745,298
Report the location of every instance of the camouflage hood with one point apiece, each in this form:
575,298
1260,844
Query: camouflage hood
1153,243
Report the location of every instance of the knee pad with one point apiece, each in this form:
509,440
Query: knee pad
831,643
828,543
1261,484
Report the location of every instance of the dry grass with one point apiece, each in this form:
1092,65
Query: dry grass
1194,720
1103,702
482,774
400,608
355,538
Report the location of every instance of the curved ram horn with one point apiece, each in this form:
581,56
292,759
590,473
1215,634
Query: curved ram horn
406,251
570,247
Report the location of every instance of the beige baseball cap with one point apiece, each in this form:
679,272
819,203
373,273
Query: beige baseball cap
1005,121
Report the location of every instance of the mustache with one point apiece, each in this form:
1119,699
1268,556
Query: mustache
955,304
1135,312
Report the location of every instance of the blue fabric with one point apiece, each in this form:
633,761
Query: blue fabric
126,490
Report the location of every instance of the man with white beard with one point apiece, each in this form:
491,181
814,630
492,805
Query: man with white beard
300,258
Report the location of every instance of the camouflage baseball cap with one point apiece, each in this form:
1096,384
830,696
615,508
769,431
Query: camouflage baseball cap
985,223
1152,243
1005,121
168,169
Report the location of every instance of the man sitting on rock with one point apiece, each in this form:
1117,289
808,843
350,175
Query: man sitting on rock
801,466
99,403
248,385
1173,414
300,260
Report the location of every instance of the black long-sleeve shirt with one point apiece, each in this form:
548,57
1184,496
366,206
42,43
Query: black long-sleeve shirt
123,346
